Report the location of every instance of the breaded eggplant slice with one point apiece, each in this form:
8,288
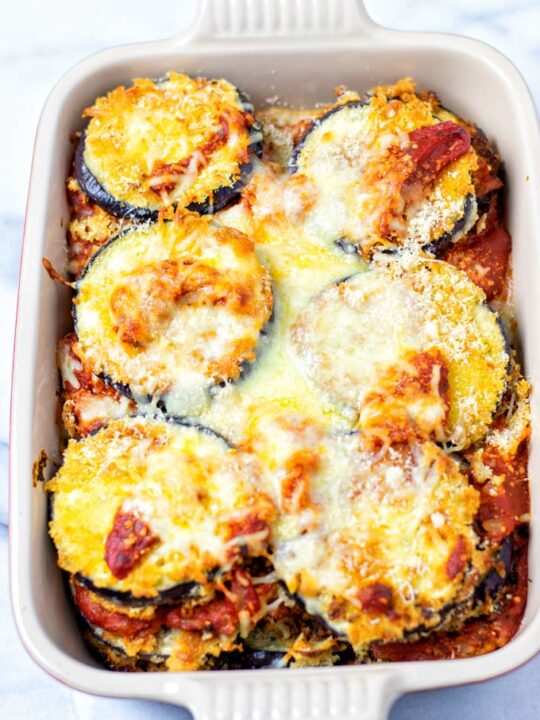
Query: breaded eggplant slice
387,173
377,543
145,510
184,633
173,650
180,141
169,309
412,347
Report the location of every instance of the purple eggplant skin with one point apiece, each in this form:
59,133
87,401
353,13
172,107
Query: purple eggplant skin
297,150
182,591
91,186
218,200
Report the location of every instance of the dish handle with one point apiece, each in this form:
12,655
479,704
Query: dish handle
260,20
259,696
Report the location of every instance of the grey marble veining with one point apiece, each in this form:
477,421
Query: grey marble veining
39,42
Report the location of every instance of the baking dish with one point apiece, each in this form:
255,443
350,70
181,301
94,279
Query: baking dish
298,51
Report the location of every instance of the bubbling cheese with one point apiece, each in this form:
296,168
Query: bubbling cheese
191,489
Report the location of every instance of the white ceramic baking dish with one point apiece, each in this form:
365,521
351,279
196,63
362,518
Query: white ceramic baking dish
298,50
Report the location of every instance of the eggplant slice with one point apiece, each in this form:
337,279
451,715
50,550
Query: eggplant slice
181,141
378,543
165,311
386,173
144,506
410,345
172,650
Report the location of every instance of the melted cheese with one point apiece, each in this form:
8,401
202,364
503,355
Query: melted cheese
348,336
351,515
145,144
348,158
169,309
392,519
299,267
184,482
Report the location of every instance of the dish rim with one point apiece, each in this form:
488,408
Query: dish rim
381,683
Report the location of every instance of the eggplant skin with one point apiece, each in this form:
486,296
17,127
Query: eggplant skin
113,658
182,591
220,198
248,659
439,246
97,193
298,148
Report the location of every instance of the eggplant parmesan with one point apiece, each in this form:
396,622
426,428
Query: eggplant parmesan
179,141
359,531
295,433
143,507
442,368
387,172
166,310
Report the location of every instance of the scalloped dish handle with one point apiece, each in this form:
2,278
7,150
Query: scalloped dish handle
263,20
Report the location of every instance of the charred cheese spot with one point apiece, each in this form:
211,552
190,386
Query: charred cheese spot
186,483
179,141
377,561
168,309
380,182
353,334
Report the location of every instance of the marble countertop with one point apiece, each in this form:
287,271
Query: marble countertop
38,43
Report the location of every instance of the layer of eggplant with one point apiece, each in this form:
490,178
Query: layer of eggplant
180,141
89,228
387,173
165,311
148,510
88,402
412,347
490,624
194,653
188,634
286,636
374,541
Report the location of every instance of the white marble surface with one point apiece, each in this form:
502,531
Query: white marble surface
38,42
